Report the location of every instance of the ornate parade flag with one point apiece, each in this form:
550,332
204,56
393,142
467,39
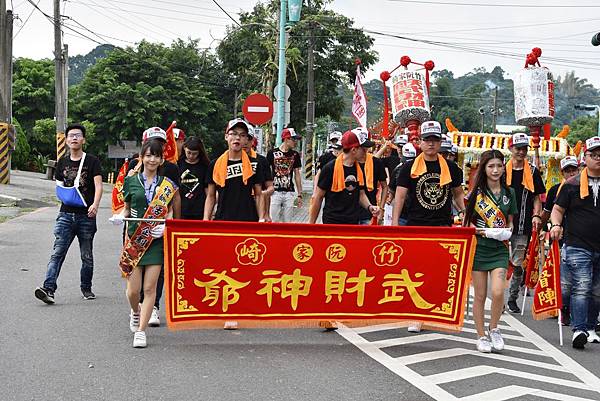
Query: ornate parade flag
117,193
359,101
547,299
297,274
171,153
532,261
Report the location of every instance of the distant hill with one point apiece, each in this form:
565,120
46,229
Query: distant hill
79,64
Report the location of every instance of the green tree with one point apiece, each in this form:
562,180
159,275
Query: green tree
151,85
21,157
33,91
248,54
582,128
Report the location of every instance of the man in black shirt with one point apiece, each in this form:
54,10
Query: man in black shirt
430,182
408,153
579,197
341,183
375,177
75,221
333,150
527,182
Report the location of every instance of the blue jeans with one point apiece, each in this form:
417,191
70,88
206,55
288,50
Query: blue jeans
364,222
582,267
566,282
67,227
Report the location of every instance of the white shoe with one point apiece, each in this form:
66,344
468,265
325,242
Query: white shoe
593,337
415,328
139,339
134,321
154,319
497,340
484,345
230,325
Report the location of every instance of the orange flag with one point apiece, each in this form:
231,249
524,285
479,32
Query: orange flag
547,298
117,193
532,260
171,153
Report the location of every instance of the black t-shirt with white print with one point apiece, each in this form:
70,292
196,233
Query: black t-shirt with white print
429,203
192,189
522,220
379,174
66,171
236,200
283,165
340,207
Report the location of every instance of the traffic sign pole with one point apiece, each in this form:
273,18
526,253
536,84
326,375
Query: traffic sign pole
282,68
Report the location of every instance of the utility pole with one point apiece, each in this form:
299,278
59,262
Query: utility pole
310,108
495,110
7,138
60,84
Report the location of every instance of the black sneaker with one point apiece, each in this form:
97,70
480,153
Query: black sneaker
579,339
513,307
44,295
88,294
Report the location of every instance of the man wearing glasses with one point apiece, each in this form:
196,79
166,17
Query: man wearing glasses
235,178
285,164
579,198
75,221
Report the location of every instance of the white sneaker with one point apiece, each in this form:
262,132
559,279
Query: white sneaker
154,319
134,321
497,340
484,345
230,325
139,339
593,337
415,328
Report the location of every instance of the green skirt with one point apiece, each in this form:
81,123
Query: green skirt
490,254
154,255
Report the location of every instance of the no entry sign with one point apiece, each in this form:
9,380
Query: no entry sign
258,108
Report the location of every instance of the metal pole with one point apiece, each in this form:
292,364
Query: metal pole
310,109
282,68
60,111
598,109
6,33
495,113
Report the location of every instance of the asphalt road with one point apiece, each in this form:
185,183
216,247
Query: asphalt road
81,350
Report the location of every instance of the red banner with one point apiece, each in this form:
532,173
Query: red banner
298,274
547,299
531,263
117,193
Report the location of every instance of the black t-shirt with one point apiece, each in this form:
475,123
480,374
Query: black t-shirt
283,165
378,175
584,215
192,189
550,200
235,200
525,199
393,185
324,159
263,165
66,171
391,162
168,169
340,207
429,203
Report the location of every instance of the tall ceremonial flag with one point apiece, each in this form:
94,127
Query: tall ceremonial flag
547,298
532,260
171,153
117,193
359,101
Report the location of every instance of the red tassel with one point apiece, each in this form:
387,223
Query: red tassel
509,271
547,132
385,76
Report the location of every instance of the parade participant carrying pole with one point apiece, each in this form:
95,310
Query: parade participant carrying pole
410,97
359,101
534,99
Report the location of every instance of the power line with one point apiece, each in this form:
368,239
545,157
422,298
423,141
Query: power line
168,9
27,19
99,35
493,5
226,13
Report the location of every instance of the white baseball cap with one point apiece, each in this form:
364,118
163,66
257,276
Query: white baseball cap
154,132
409,151
446,144
241,122
569,161
401,139
454,149
335,135
592,143
519,140
431,128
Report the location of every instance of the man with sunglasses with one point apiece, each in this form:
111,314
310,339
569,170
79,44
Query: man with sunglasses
75,221
285,165
527,182
580,199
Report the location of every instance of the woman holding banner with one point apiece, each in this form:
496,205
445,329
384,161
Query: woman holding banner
490,210
148,196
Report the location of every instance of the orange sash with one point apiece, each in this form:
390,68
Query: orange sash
369,172
527,175
419,168
584,191
220,169
339,180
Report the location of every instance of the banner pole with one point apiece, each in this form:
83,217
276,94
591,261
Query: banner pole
140,219
560,333
525,291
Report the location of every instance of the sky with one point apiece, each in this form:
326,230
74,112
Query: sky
463,32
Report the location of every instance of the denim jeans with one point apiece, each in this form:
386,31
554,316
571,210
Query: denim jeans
518,245
67,227
566,282
583,268
364,222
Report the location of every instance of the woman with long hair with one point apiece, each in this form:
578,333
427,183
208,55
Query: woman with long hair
490,209
148,195
193,167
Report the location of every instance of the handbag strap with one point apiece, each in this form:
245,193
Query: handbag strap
76,182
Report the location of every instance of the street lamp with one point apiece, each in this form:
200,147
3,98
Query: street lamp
590,107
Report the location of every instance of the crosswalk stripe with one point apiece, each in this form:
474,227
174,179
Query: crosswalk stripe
500,326
505,336
509,392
